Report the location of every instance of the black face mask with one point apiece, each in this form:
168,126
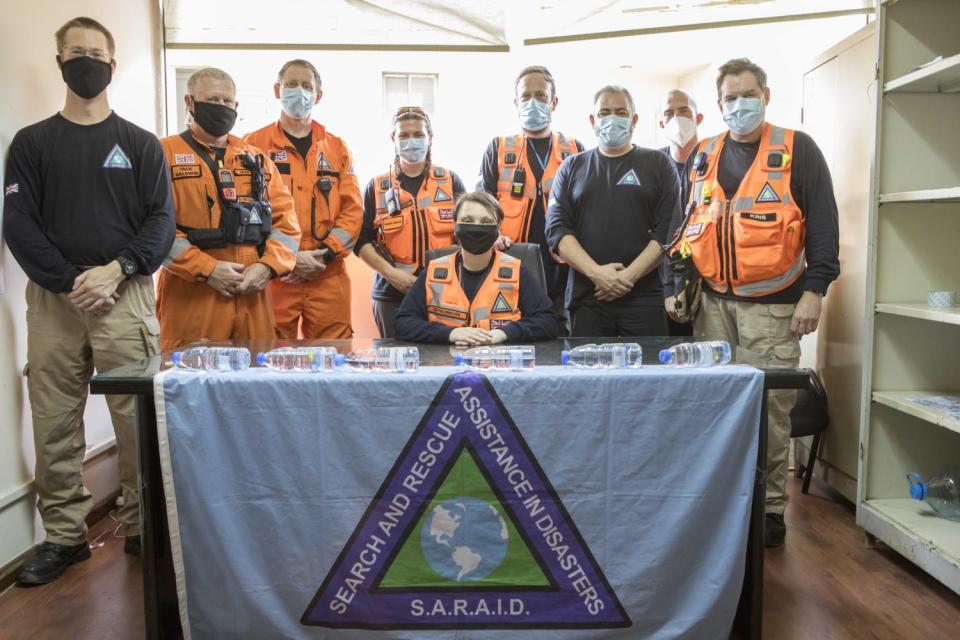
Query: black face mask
215,119
87,77
476,238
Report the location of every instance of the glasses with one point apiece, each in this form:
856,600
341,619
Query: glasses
97,54
417,111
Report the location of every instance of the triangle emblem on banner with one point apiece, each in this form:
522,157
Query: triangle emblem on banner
466,532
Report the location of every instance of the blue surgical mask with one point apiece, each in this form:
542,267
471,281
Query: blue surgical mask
297,102
743,115
534,115
413,150
613,131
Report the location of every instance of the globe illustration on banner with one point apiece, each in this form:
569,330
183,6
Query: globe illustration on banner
464,539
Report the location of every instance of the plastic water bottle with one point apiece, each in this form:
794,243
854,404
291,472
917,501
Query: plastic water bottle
942,494
512,357
697,354
382,359
610,355
310,359
190,359
226,359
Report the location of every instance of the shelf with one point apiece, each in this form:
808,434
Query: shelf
920,310
898,400
939,77
912,529
951,194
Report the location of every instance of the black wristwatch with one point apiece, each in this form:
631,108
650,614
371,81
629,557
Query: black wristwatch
127,266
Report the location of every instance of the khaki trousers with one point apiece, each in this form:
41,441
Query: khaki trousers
760,335
64,346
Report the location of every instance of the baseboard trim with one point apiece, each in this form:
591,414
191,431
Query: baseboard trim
8,572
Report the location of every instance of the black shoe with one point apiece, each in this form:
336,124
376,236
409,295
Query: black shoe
131,545
50,561
774,530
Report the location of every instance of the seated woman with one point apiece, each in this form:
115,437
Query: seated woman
476,296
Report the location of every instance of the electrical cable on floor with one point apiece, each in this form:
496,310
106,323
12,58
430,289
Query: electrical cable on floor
99,541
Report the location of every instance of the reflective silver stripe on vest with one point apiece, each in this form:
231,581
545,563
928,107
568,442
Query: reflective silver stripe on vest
343,236
743,203
289,242
710,145
426,201
777,136
382,200
179,246
480,313
547,185
773,284
562,139
409,268
774,175
506,175
436,289
510,142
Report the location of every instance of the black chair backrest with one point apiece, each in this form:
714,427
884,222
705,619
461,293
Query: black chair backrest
810,415
528,253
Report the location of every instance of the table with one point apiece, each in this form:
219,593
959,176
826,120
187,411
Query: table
160,600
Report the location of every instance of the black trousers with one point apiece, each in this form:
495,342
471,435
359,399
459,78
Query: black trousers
679,329
616,320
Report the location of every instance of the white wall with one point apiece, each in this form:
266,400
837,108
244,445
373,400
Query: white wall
33,91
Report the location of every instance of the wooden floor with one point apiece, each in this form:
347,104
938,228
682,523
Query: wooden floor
823,584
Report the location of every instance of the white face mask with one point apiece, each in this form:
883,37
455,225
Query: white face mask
680,130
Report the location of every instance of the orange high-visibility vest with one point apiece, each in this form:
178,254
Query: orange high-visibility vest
518,209
423,223
496,304
753,243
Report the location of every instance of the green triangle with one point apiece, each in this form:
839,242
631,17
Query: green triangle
767,194
410,567
500,304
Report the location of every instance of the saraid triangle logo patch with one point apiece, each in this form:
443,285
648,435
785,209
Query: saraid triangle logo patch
767,194
466,532
322,164
117,159
441,195
500,305
630,178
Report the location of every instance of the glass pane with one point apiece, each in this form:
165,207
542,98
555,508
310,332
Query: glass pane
395,92
422,92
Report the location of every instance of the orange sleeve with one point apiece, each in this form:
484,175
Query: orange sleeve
280,251
346,224
185,260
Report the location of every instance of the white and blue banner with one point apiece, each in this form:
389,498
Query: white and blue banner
555,503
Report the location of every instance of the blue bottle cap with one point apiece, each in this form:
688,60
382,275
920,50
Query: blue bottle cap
664,356
339,359
457,359
175,358
918,488
261,358
564,357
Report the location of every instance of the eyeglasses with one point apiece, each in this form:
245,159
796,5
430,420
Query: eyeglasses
402,110
97,54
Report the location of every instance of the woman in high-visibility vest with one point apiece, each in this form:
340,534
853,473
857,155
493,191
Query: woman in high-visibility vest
477,295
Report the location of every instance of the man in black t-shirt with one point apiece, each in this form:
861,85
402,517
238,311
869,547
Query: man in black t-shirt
763,233
88,215
608,217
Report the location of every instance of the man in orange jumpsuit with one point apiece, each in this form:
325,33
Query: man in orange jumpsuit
317,168
229,243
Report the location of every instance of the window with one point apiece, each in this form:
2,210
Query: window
409,89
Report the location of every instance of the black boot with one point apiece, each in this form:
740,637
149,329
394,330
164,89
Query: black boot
774,530
131,545
50,561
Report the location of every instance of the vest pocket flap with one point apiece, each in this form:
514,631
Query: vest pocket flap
758,229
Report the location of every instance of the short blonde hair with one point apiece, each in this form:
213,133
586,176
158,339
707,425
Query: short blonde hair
209,72
82,22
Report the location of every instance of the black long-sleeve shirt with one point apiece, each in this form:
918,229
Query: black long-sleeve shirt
383,290
84,195
614,207
537,322
555,273
812,189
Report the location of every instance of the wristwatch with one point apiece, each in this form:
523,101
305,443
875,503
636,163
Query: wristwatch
127,266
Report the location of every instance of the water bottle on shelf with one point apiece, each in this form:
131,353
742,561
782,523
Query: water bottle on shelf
512,357
190,359
610,355
697,354
382,359
310,359
942,494
226,359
